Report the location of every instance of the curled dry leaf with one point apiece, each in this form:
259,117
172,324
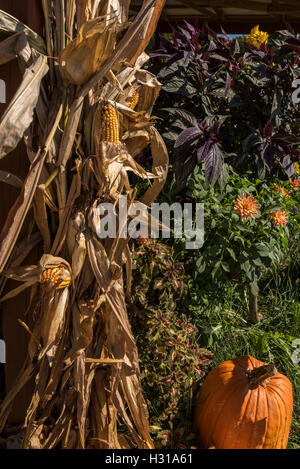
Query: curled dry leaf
53,309
127,260
16,291
24,274
17,213
11,179
40,215
119,8
124,77
36,438
129,46
9,24
31,154
19,113
149,88
63,226
108,171
136,141
111,78
149,27
21,251
9,48
159,166
76,226
111,164
105,434
79,254
83,319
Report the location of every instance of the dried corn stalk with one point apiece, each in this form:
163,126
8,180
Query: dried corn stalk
81,350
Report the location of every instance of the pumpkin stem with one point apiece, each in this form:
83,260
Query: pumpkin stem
261,375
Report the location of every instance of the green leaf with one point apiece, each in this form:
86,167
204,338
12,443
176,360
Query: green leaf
245,266
262,249
232,253
225,266
200,264
250,274
215,269
258,262
285,242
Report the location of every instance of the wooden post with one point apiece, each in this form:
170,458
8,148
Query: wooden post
30,13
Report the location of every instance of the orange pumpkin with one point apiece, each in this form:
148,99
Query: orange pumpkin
244,404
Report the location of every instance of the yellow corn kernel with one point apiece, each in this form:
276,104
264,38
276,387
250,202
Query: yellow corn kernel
133,100
57,277
110,129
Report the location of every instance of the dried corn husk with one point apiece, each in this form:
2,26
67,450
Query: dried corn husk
86,54
136,141
79,254
75,227
119,8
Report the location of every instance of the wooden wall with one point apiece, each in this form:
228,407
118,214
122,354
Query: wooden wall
16,338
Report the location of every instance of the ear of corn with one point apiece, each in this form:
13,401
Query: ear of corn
110,129
58,277
134,99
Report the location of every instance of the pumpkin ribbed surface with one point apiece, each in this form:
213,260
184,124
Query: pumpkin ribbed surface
233,414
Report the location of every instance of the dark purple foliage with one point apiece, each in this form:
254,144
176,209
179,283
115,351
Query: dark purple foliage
232,102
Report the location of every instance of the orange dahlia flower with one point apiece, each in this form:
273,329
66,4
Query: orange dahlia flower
279,217
294,183
282,190
246,206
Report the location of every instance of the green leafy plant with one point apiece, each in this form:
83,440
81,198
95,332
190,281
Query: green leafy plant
244,249
171,361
